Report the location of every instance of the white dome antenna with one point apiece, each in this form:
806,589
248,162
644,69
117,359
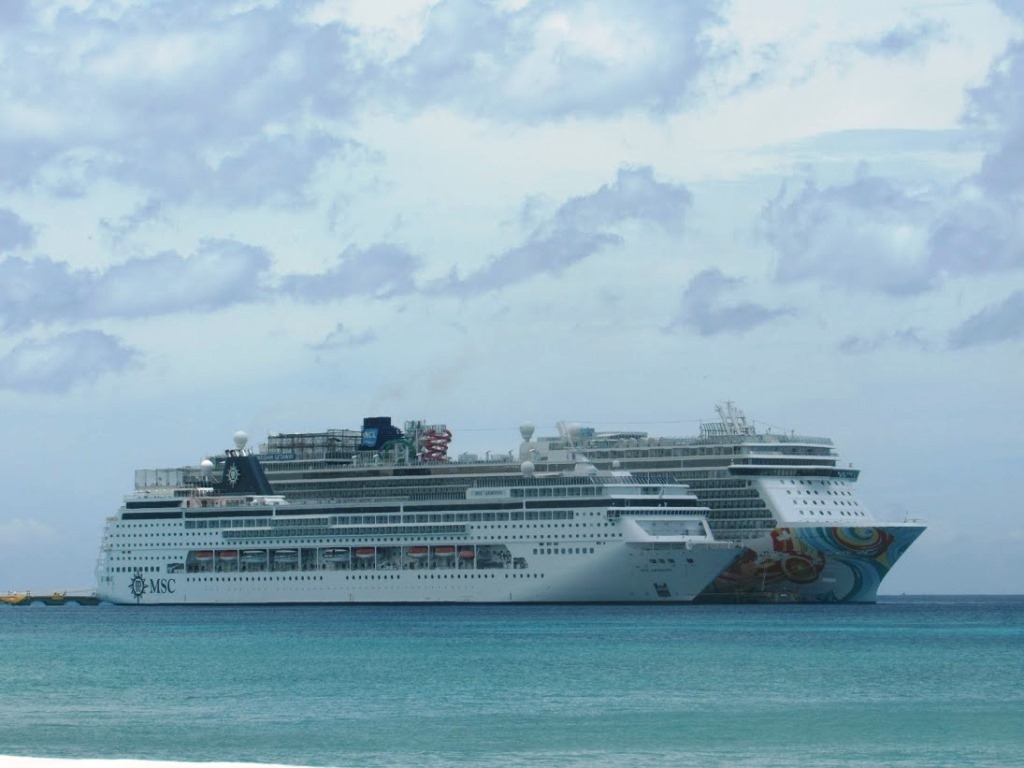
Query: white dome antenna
241,439
526,431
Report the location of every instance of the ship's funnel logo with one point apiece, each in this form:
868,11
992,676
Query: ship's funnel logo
137,586
233,475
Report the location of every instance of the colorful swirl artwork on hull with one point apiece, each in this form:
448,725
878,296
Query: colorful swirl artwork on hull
819,564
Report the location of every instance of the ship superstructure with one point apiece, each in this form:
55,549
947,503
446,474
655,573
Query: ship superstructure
580,535
788,498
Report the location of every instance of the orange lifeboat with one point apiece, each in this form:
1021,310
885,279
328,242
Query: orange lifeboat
365,552
467,554
444,551
417,551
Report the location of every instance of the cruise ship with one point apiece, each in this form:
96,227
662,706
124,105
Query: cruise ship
789,499
218,533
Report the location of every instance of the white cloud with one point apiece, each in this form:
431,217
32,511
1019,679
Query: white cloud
169,92
865,235
999,322
543,62
580,228
999,106
14,232
705,310
219,274
59,364
903,40
907,337
382,270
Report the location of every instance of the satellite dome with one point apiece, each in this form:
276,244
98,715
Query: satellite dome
206,466
526,468
526,431
241,439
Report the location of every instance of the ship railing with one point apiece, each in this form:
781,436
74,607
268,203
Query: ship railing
761,437
387,498
372,459
617,442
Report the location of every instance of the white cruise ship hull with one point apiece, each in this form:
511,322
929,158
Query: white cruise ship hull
615,572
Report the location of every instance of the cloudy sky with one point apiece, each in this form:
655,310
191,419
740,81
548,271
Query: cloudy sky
284,216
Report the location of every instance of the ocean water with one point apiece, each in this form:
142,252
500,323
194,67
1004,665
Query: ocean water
908,682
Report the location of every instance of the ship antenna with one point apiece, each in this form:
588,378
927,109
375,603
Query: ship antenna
733,419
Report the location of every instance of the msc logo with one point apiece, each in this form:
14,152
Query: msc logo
137,586
140,586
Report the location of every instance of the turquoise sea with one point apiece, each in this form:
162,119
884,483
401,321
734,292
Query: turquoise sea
912,681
